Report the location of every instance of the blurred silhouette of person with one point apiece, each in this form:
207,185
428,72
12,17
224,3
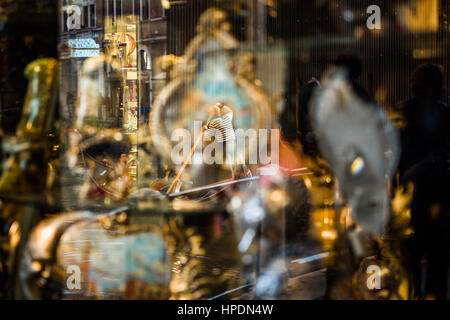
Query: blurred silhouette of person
307,137
425,139
351,62
291,157
296,126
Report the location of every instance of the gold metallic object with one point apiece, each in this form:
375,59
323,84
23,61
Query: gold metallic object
101,146
25,169
200,266
25,173
395,282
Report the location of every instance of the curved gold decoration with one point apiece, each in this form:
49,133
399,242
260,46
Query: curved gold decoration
23,172
212,26
196,272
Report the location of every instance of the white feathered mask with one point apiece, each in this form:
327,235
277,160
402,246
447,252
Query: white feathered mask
360,144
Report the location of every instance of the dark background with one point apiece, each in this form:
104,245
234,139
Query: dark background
313,31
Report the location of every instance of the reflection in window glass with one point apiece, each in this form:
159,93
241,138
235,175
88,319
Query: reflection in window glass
111,12
85,17
145,9
119,9
92,15
137,8
156,9
146,91
64,21
145,60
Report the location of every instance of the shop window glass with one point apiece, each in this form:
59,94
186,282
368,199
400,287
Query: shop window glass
64,21
111,12
145,60
137,8
92,15
85,16
156,9
145,9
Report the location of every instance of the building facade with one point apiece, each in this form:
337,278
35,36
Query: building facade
135,30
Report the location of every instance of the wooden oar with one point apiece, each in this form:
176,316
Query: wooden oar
185,163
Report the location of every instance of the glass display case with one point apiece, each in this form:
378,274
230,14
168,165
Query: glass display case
217,150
